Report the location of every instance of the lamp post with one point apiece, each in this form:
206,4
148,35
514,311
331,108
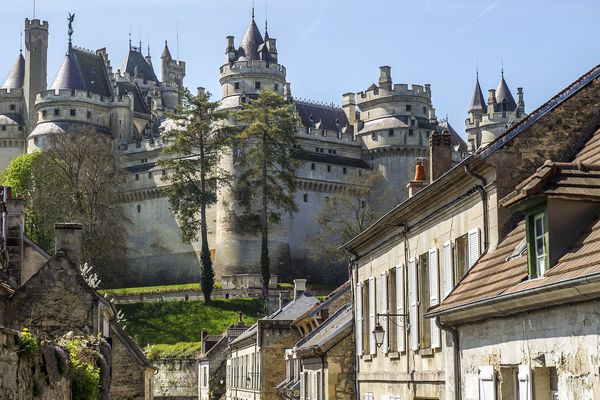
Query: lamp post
378,331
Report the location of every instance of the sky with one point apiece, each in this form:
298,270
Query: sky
331,47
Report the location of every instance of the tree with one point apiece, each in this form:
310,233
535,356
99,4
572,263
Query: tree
266,181
347,213
76,178
200,135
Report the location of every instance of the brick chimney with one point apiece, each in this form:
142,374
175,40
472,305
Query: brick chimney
13,226
299,287
420,180
68,240
440,154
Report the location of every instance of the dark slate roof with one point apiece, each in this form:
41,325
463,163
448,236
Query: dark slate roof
134,60
458,144
326,117
141,167
83,71
478,101
304,155
12,119
249,46
503,93
328,333
16,75
139,105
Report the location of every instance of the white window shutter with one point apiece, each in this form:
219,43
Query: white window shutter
434,295
474,248
487,383
359,319
448,268
413,304
400,307
524,384
372,316
302,378
384,310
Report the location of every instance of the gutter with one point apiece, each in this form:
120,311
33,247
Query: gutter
353,266
456,356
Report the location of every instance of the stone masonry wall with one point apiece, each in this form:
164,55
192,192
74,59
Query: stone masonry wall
274,343
340,370
176,379
128,377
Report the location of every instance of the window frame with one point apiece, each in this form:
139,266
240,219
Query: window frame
532,236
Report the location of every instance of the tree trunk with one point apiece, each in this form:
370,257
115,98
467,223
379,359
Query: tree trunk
265,267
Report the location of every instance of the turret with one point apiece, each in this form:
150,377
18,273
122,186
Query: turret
172,71
36,66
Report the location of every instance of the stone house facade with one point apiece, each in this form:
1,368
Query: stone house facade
56,300
411,259
524,314
255,361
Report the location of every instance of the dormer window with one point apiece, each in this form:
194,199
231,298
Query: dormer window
537,232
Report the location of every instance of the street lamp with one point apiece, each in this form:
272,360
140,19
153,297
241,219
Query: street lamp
379,332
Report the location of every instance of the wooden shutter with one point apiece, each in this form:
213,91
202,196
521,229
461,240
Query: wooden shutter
434,295
487,383
474,248
400,307
448,268
384,321
372,316
359,319
413,306
524,382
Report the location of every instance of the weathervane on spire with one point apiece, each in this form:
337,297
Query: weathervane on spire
71,18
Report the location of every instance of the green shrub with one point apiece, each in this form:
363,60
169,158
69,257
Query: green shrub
173,351
28,344
85,374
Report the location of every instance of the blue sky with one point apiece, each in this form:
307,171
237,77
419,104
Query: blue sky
335,46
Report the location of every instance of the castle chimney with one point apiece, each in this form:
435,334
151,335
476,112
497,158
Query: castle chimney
349,107
287,91
230,51
385,77
299,287
68,240
420,180
201,91
491,101
521,101
13,226
440,154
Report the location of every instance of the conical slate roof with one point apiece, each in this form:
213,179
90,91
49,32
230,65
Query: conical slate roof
16,75
478,101
69,75
503,93
135,60
249,47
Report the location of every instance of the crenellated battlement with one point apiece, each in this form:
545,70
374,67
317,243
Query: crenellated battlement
399,89
81,95
254,66
11,93
36,23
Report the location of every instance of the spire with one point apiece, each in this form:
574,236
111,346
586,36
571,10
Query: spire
69,75
16,75
252,39
478,101
504,96
166,53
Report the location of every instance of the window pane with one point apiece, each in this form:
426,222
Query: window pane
539,245
539,227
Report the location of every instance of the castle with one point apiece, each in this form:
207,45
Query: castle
386,127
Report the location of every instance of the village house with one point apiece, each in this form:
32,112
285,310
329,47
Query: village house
526,313
49,296
411,259
255,363
321,365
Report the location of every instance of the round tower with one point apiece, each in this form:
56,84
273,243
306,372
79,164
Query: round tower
12,114
486,121
394,123
248,69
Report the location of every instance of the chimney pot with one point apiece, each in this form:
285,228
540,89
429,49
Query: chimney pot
68,240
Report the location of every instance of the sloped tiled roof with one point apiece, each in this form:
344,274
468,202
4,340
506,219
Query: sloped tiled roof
329,159
328,333
135,61
326,117
248,50
81,70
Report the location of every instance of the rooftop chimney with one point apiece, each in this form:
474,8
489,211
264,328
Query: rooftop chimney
68,240
13,225
201,91
385,77
420,180
440,154
299,287
491,103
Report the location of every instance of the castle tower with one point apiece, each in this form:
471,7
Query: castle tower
488,120
248,69
12,122
36,66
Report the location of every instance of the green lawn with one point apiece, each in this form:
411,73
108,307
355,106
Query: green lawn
151,289
172,322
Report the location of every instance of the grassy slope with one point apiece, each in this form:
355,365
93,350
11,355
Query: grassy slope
182,321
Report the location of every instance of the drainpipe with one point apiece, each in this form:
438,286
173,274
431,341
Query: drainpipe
405,230
353,271
484,201
456,359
